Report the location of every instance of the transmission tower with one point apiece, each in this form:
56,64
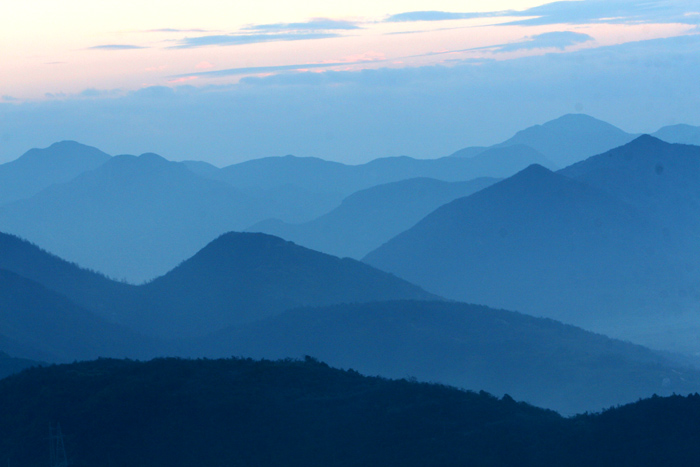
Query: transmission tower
57,448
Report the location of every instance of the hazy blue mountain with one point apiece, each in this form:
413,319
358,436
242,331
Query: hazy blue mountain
368,218
537,360
133,217
658,178
40,168
242,277
177,413
570,138
236,278
516,155
202,168
295,204
682,134
470,151
335,179
40,324
548,245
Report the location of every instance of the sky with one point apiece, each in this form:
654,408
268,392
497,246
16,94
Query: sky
229,81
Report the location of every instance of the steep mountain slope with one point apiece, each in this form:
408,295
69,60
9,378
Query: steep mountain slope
544,244
368,218
537,360
570,138
40,324
133,217
38,169
242,277
176,413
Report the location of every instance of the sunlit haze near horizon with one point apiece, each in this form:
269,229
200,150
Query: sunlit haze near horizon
310,73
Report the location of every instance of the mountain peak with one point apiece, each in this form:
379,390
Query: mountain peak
533,173
575,118
646,141
571,138
67,144
152,157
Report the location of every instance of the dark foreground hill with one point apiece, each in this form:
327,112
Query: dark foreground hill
537,360
242,412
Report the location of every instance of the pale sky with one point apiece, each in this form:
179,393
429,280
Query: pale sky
57,57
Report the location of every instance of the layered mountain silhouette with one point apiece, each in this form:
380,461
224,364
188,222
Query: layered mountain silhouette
537,360
236,278
336,179
38,169
549,245
133,217
368,218
242,277
234,295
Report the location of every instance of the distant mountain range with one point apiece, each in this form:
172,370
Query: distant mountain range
133,217
368,218
320,176
611,249
38,169
574,137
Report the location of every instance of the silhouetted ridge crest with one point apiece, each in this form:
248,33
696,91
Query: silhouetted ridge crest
241,277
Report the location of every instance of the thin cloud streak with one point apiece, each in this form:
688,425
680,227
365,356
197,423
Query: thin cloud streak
413,16
556,40
175,30
576,12
270,69
316,24
116,47
233,39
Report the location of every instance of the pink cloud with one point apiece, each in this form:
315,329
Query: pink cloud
182,80
204,65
